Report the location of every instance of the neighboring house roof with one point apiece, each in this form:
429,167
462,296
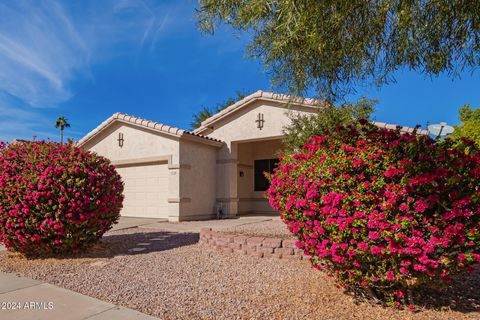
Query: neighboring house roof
152,125
299,101
391,126
19,141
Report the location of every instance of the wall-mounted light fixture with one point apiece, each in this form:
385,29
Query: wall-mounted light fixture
260,121
120,139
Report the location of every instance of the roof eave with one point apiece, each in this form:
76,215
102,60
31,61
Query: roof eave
192,137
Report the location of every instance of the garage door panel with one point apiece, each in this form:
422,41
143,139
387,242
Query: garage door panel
152,196
140,196
146,190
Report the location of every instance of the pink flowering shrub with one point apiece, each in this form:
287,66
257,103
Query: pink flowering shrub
380,210
55,199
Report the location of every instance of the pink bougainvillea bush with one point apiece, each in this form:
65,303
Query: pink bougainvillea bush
382,211
55,198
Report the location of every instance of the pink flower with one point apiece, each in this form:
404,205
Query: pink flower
351,253
311,194
404,271
300,203
362,246
392,172
420,206
400,294
419,267
390,276
405,263
299,244
373,235
376,250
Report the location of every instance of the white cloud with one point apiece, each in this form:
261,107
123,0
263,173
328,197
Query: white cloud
46,45
18,120
35,59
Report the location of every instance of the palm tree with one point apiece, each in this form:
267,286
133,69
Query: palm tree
61,124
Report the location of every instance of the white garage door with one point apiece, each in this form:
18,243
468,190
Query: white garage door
146,190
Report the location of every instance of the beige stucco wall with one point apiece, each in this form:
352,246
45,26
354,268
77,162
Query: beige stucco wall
140,144
226,186
235,130
249,199
241,125
197,180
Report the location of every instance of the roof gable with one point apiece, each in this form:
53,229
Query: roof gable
260,95
148,124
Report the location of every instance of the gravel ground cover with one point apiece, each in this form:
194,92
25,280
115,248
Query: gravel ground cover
274,228
168,275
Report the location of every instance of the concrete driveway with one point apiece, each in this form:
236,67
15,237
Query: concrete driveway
133,222
190,226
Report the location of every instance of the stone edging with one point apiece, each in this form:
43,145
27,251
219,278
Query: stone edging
261,247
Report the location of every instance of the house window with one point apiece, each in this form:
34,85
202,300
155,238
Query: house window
260,167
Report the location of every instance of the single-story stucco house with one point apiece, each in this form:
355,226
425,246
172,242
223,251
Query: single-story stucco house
216,169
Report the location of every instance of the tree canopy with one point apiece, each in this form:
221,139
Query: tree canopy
207,112
303,127
470,125
330,46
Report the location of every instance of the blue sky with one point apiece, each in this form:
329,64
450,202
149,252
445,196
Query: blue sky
89,59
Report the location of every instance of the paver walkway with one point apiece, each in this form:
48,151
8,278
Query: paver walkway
25,299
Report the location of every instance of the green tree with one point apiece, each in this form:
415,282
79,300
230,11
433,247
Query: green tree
207,112
200,116
303,127
61,123
330,46
469,126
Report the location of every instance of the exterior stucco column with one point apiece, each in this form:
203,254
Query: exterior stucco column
174,189
227,193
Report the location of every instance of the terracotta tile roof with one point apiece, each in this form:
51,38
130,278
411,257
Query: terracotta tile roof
163,128
306,102
169,130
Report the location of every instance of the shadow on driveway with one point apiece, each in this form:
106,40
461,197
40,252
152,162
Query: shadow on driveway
134,243
139,243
